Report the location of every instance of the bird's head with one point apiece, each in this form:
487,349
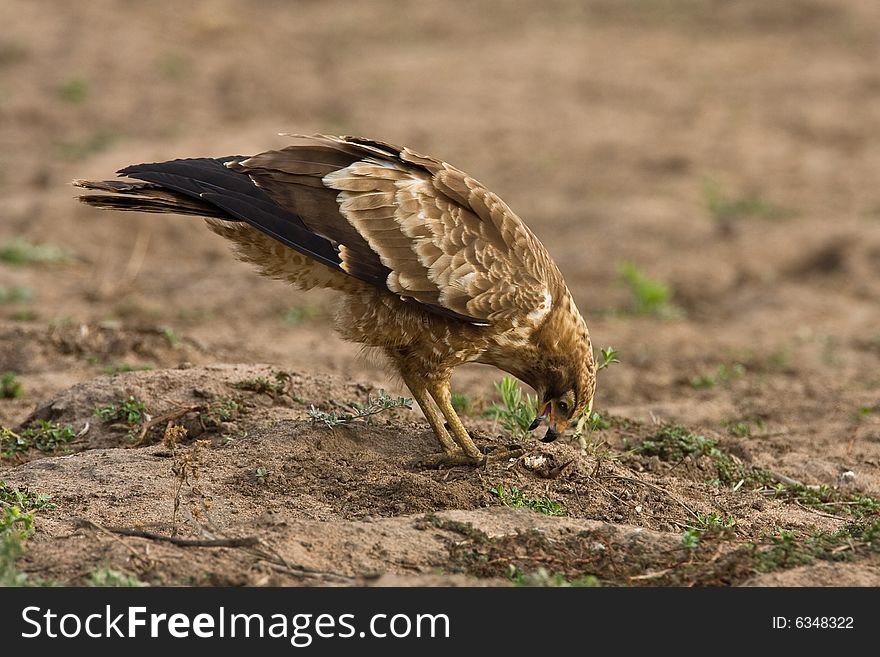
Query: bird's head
563,370
564,397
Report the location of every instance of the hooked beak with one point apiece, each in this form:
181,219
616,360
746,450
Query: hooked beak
542,415
554,428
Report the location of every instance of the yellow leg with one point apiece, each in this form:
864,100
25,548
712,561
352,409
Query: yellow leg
420,394
472,455
440,392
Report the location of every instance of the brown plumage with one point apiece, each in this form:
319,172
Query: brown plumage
435,269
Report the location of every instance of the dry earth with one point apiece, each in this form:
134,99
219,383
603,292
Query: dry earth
731,150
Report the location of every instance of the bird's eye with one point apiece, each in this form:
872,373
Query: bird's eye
563,406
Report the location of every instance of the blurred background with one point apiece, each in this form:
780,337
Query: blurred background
705,173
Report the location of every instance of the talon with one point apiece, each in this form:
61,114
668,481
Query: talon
505,454
435,461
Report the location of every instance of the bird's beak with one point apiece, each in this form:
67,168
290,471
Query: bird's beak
554,428
551,435
542,415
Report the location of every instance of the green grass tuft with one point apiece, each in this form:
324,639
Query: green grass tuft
544,578
727,210
14,294
17,515
22,252
10,388
462,403
130,410
648,296
44,436
724,374
375,405
74,90
108,577
517,411
516,498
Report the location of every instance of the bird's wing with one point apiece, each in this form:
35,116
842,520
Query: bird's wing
436,235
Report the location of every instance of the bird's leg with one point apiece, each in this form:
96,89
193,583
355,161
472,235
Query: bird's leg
440,392
472,455
420,393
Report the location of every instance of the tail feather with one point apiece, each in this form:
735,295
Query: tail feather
206,187
145,197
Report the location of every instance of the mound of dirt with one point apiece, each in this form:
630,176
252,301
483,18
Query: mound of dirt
225,479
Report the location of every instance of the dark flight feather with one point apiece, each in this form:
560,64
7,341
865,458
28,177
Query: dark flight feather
207,187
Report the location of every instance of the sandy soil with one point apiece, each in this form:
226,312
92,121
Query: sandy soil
729,149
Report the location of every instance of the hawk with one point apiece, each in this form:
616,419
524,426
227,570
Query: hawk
435,270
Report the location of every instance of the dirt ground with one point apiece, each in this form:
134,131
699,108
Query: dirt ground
729,149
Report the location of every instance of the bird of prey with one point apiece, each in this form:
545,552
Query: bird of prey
435,270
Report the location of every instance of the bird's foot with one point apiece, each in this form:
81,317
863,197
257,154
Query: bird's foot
444,460
505,453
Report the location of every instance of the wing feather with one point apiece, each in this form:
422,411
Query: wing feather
439,237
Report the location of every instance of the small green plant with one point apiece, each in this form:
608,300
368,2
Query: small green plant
230,439
727,210
648,296
170,337
610,355
724,374
691,538
131,411
742,428
107,577
589,420
461,403
714,521
709,522
275,387
16,526
21,252
544,578
14,294
375,405
74,90
595,422
10,388
675,442
821,497
517,411
219,411
17,514
778,360
44,435
262,474
516,498
23,498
